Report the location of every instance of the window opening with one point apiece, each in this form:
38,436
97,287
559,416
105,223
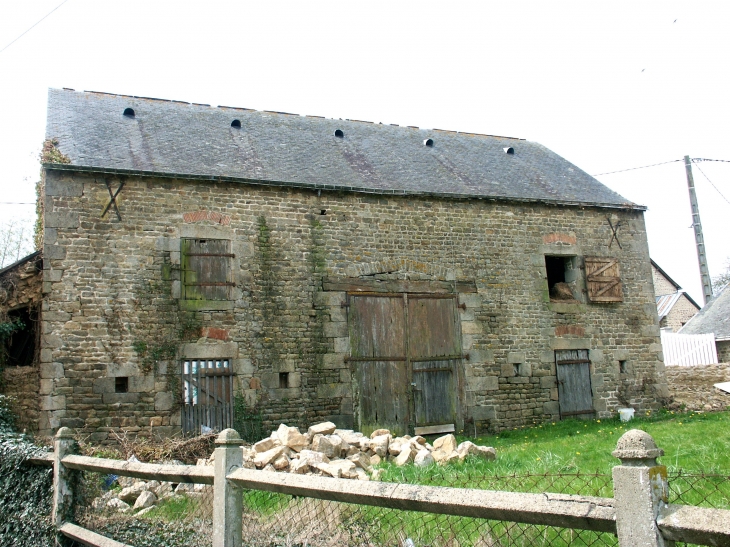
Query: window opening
236,124
622,367
129,113
121,384
206,269
339,133
516,369
20,346
562,274
283,380
428,142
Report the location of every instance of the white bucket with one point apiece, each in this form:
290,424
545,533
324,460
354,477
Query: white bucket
626,414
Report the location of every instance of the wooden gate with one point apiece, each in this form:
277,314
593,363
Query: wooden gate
405,347
207,395
574,382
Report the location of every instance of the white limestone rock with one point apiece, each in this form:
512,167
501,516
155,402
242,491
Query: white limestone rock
131,493
423,458
361,460
265,445
281,463
118,505
313,456
145,499
263,459
291,437
447,443
407,454
379,432
487,452
324,428
379,445
299,466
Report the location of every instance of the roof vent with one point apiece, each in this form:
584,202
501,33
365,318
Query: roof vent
428,142
509,150
236,123
129,113
339,133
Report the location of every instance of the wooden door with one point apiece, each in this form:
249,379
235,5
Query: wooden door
575,395
207,391
404,348
378,340
435,349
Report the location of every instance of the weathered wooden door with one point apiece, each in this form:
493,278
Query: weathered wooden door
207,390
434,350
405,348
575,395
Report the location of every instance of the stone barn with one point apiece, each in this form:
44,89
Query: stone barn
208,266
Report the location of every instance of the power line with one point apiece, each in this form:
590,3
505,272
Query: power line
708,180
635,168
34,24
694,160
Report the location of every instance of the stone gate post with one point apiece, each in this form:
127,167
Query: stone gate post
227,498
63,445
640,490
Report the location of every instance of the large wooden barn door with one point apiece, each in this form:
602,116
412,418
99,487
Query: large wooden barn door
404,348
574,383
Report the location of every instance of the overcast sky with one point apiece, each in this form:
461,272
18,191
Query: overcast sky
609,85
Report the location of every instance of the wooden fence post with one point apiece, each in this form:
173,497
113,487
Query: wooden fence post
640,490
227,500
63,495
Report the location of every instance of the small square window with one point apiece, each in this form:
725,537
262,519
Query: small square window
623,366
283,379
562,272
121,384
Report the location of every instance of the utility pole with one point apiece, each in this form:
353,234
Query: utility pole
697,225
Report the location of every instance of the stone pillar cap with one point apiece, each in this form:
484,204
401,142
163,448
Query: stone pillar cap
65,433
229,436
636,445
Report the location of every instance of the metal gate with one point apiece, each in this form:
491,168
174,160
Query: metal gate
207,387
575,395
406,348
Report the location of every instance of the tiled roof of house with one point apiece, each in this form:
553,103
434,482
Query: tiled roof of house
714,317
180,139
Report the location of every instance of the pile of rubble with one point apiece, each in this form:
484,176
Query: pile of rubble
322,450
343,453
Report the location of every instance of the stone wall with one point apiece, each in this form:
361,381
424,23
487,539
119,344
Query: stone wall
723,351
692,388
682,311
112,293
21,385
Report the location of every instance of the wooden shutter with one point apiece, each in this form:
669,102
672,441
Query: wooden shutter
206,265
603,279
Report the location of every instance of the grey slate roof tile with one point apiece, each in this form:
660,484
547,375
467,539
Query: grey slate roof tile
714,317
174,138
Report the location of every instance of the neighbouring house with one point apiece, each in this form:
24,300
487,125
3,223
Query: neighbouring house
674,306
203,265
20,303
714,318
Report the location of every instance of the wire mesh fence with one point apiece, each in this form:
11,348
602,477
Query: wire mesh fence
182,514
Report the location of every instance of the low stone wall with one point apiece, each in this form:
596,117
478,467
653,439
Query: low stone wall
22,385
694,388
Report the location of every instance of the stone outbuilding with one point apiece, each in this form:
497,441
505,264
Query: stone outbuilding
208,266
674,306
714,318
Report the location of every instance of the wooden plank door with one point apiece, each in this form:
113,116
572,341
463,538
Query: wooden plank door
378,342
207,390
435,349
575,395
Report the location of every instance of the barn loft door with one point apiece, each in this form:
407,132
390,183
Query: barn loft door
574,383
405,348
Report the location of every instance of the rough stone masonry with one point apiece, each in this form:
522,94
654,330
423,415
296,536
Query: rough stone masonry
119,322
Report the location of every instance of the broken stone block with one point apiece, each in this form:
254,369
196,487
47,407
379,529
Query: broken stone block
118,505
467,448
346,467
423,458
376,474
447,443
379,445
379,432
299,466
419,440
487,452
145,499
453,456
153,486
164,490
131,493
143,512
325,428
291,437
396,445
375,460
350,436
185,488
324,445
361,460
313,457
439,456
269,468
407,453
281,463
266,445
265,458
329,470
361,474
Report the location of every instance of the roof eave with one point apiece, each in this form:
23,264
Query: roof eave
330,187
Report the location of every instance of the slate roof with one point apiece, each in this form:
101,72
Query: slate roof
714,317
172,138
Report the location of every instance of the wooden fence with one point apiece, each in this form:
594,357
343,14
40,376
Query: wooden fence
638,513
686,350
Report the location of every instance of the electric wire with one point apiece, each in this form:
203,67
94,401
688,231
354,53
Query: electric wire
635,168
34,24
708,180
